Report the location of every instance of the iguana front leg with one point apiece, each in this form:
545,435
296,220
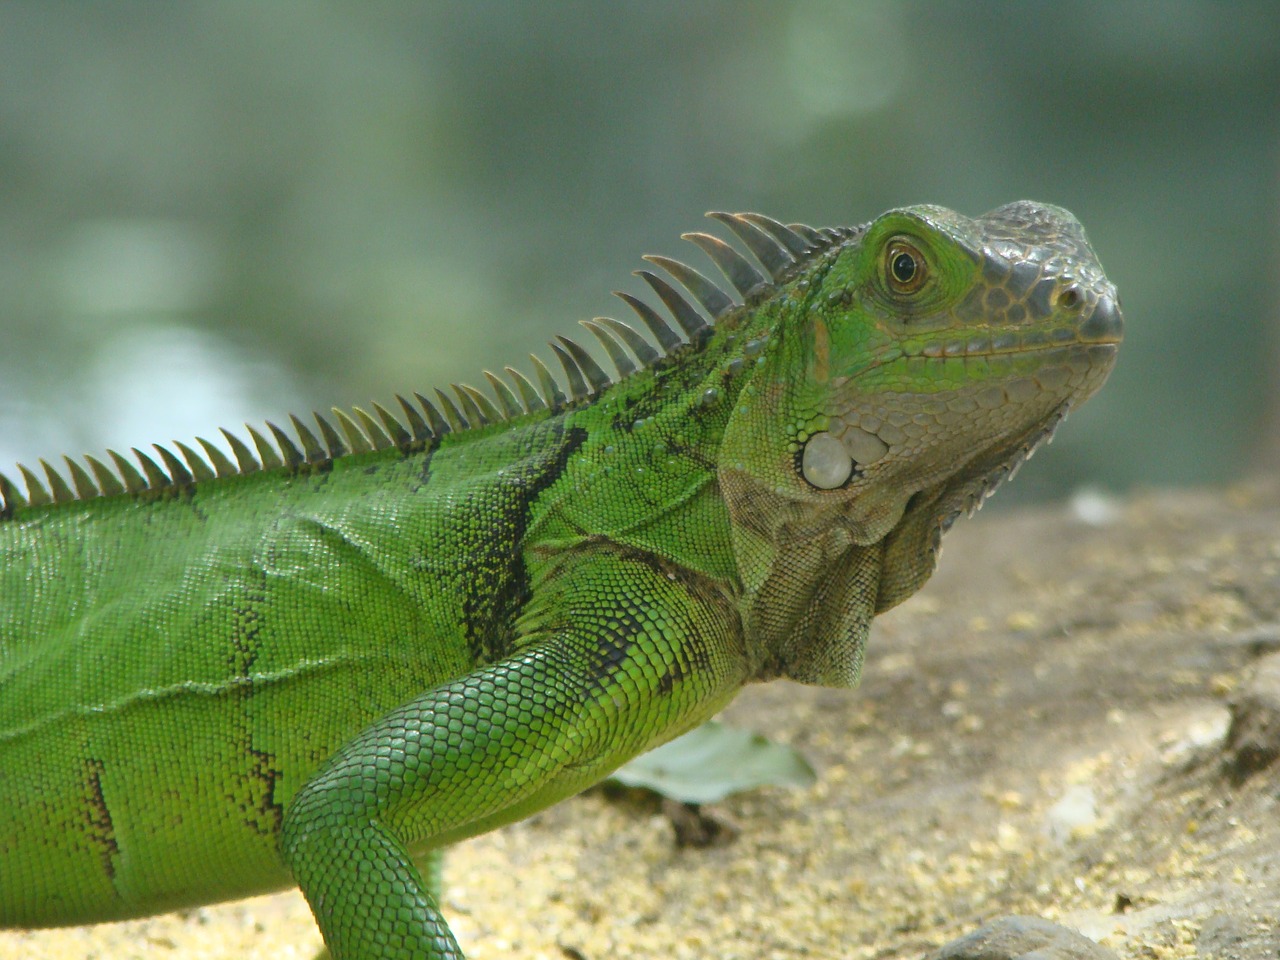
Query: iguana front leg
622,654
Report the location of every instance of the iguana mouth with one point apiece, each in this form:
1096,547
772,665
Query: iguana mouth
1019,343
1077,356
1096,337
1104,324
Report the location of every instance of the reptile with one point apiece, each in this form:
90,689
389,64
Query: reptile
324,656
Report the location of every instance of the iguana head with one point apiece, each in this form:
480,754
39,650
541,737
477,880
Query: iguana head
906,372
917,350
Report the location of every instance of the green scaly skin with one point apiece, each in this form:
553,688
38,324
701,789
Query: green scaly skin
322,672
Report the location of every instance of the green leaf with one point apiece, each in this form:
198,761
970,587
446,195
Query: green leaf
714,761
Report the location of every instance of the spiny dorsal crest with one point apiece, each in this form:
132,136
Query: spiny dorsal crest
780,249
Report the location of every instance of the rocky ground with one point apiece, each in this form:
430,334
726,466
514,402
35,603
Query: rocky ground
1078,720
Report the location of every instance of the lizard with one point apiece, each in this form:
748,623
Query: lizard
322,658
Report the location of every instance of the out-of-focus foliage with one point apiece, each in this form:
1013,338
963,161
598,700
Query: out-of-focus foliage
216,210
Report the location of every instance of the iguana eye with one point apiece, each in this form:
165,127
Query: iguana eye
904,267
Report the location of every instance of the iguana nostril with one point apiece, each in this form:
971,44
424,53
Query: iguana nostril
1104,324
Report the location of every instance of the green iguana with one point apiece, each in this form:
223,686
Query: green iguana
325,661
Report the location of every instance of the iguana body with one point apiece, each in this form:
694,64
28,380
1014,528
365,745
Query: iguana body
321,670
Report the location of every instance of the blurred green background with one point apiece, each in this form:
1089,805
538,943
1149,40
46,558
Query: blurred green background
219,211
